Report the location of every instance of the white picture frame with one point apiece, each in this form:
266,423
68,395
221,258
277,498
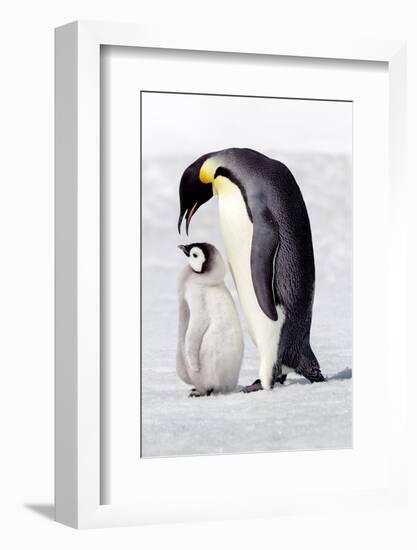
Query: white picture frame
77,423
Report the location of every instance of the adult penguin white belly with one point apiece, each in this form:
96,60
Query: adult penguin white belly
268,243
237,230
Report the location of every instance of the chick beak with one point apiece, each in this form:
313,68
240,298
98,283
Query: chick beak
184,249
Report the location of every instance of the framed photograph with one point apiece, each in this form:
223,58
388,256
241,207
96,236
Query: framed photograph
230,279
313,140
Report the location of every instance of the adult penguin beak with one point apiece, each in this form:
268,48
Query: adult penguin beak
188,213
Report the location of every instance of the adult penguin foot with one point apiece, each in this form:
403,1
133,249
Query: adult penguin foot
313,375
196,393
255,386
281,379
317,377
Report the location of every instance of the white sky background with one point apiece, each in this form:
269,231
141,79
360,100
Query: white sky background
175,124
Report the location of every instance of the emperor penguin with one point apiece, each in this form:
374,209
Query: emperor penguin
267,236
210,341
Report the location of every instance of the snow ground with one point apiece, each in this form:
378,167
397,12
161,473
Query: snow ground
296,416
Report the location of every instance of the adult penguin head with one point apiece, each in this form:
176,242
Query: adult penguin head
194,190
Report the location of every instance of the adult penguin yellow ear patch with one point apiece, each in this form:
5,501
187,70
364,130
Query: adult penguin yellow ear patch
207,171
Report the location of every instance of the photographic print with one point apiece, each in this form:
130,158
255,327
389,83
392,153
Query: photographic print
246,274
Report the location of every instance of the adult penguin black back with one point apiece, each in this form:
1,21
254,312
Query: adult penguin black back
268,243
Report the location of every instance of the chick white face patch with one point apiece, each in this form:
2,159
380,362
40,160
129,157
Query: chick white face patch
197,259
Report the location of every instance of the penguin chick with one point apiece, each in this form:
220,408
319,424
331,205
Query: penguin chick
210,341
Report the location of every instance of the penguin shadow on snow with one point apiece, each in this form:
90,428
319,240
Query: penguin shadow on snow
345,374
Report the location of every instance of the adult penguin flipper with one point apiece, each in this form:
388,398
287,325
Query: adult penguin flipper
265,246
